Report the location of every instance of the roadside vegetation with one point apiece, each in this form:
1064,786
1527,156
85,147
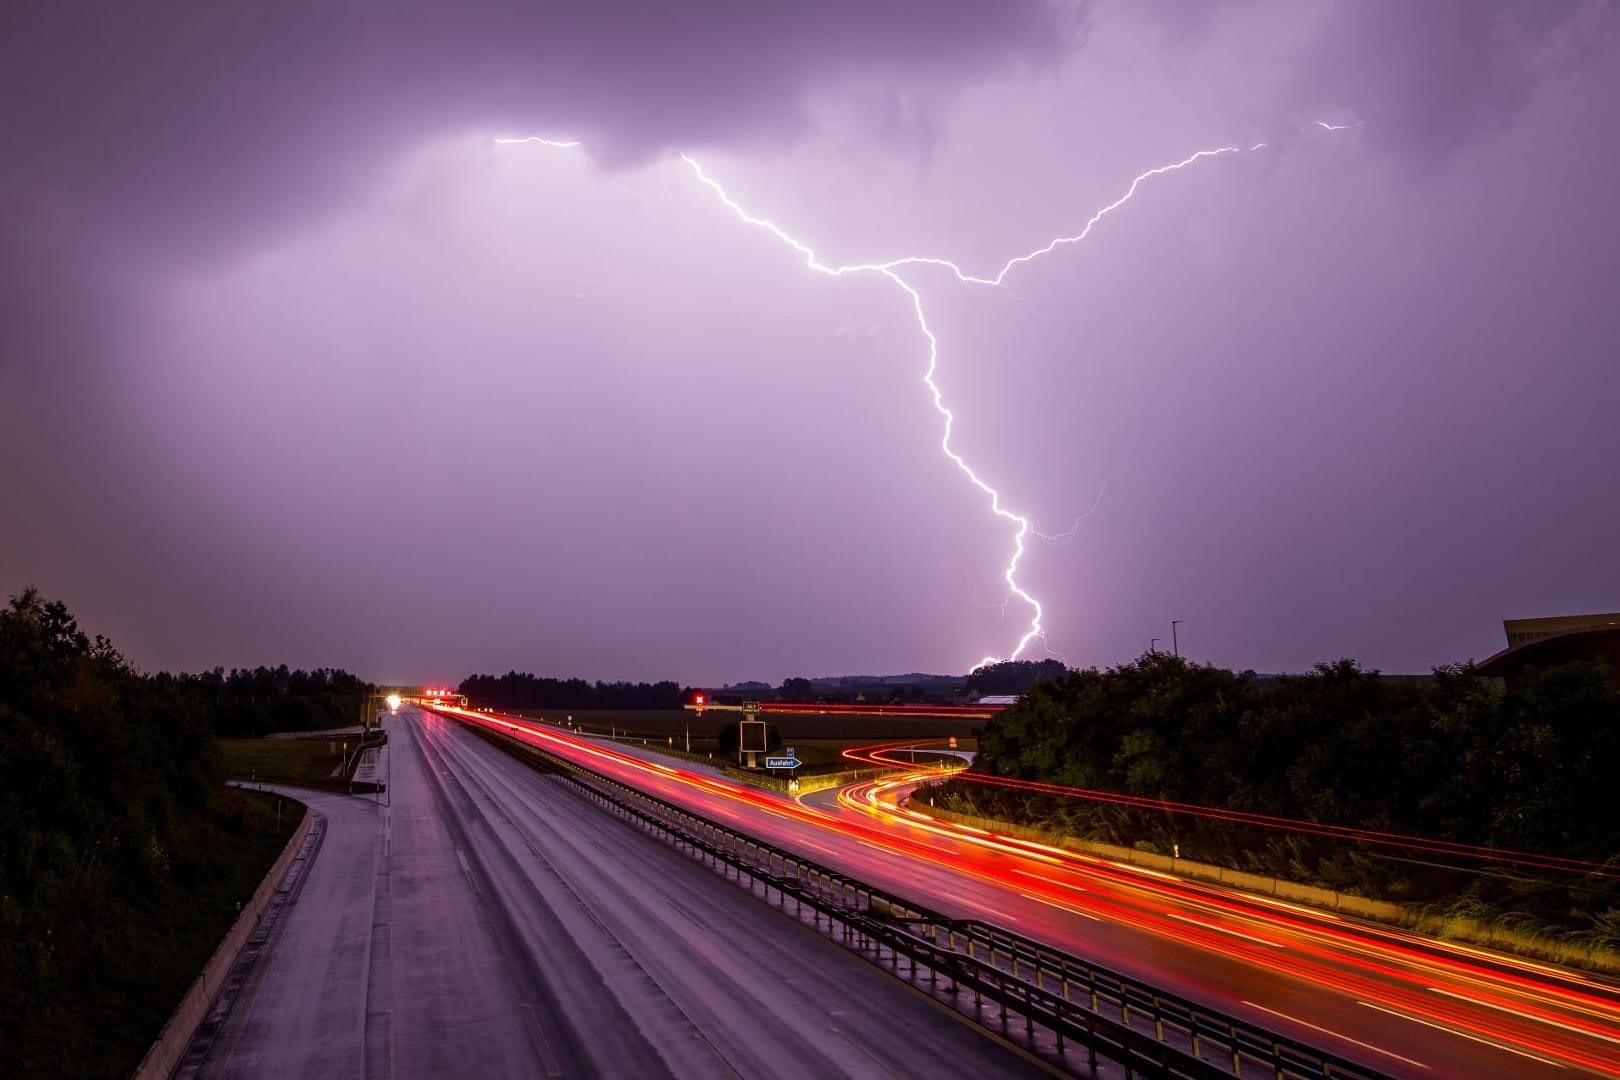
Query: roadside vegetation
1456,757
124,858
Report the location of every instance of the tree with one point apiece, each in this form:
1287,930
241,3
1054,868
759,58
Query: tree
797,690
1014,676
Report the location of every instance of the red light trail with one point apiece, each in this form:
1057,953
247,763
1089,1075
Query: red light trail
1496,1004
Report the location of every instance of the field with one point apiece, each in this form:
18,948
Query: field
663,723
294,761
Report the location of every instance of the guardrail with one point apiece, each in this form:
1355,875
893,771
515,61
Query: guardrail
1055,998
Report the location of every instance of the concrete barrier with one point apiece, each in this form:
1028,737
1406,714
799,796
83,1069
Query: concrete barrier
165,1054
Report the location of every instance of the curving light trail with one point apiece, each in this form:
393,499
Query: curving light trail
1022,526
1267,954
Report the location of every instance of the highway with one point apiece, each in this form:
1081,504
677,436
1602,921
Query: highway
485,920
1408,1006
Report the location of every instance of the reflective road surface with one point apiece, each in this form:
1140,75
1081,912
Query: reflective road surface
1407,1005
482,920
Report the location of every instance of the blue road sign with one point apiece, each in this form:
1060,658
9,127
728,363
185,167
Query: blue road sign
781,763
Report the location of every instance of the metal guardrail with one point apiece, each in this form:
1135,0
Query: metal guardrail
1056,998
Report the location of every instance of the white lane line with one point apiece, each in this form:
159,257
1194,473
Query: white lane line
1225,930
547,1059
1049,881
1336,1035
466,870
1464,1035
1525,1016
1064,907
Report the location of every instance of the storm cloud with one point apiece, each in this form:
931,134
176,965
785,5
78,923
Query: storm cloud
296,364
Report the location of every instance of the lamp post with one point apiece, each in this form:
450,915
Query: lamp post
1153,646
1175,642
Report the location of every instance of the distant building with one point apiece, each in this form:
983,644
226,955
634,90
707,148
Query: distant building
999,699
1523,631
1555,640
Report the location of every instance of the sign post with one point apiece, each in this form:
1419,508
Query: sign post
752,735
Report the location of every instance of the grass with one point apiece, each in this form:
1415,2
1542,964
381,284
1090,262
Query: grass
309,762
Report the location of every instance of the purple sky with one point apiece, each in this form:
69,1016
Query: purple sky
298,364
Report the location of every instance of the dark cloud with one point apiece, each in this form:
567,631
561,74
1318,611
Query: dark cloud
1427,78
184,126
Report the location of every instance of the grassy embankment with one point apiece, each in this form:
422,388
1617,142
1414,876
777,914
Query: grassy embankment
103,1024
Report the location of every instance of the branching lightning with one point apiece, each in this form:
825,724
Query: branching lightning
1023,528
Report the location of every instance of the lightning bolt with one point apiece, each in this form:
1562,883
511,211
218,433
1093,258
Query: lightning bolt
1023,528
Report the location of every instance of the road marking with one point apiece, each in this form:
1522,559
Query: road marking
1049,881
538,1037
1464,1035
1335,1034
378,1053
466,870
1525,1016
1225,930
1065,907
873,1058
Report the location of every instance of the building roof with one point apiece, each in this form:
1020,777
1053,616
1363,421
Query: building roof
1546,650
1523,631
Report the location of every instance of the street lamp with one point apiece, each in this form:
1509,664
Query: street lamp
1153,646
1175,642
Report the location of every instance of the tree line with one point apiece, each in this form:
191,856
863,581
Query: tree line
248,702
526,691
1458,757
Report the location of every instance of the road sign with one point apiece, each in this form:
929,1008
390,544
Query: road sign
782,763
787,751
750,706
754,736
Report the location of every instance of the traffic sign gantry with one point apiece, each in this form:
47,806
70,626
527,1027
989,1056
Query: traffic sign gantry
782,763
